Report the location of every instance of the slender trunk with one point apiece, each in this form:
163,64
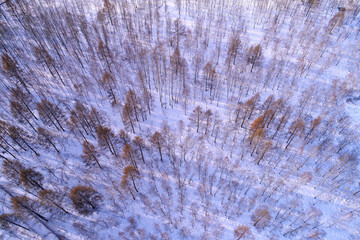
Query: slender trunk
37,154
241,235
62,81
243,120
81,133
133,160
6,151
97,161
258,220
28,108
131,193
108,145
132,179
253,149
46,113
57,121
16,224
112,146
8,144
130,120
32,212
18,143
52,144
25,118
290,142
57,205
33,182
160,154
87,201
113,95
252,66
60,207
142,155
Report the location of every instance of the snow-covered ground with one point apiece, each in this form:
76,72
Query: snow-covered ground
285,178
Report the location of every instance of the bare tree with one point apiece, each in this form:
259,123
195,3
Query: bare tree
208,117
31,178
108,83
313,125
50,114
106,138
124,136
130,173
129,155
12,69
7,221
105,53
233,50
20,137
23,207
86,200
128,116
45,138
140,144
258,135
254,56
51,199
336,20
21,106
297,127
157,140
11,169
261,218
242,232
196,117
81,121
90,154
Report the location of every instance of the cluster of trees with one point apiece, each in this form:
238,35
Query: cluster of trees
85,97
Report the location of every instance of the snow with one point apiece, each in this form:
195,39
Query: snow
221,183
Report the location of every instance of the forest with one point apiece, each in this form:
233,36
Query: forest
179,119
